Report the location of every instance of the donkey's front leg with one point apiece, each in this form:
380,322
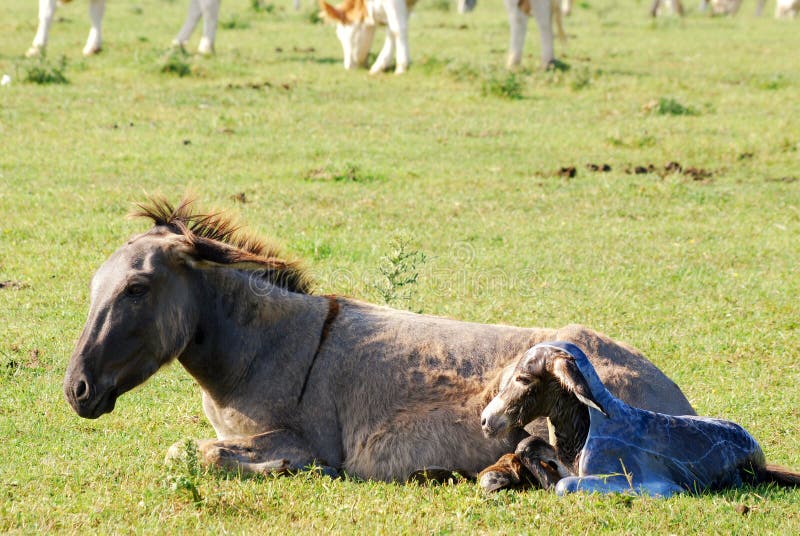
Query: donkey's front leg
94,43
277,451
543,14
192,18
210,17
385,56
518,21
47,10
397,21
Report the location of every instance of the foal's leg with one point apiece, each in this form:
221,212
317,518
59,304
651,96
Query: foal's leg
95,41
210,16
540,458
192,18
385,56
278,451
47,10
519,26
506,473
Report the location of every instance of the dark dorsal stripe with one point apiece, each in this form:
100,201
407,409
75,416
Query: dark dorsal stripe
333,312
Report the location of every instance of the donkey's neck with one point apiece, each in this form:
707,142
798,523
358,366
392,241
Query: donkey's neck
247,326
570,421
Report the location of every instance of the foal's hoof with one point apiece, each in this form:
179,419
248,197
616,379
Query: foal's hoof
495,480
506,473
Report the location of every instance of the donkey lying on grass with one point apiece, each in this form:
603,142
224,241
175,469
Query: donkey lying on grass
290,378
609,445
207,9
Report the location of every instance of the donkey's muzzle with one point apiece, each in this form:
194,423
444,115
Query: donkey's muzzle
85,398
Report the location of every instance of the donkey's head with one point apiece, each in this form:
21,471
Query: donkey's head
146,300
354,28
542,376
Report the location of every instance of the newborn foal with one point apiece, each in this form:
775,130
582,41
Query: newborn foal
619,448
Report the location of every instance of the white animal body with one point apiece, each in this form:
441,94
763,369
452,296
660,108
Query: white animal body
356,22
787,9
207,9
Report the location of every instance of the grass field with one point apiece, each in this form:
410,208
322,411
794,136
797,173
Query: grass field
461,159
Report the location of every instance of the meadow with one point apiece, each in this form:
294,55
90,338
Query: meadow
685,246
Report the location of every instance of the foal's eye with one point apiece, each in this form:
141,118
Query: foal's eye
524,380
136,290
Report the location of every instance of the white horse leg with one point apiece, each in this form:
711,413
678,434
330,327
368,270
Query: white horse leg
192,18
47,9
519,25
296,5
543,13
383,59
95,41
760,7
397,21
210,17
566,7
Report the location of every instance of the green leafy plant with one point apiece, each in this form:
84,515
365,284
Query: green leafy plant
399,271
43,71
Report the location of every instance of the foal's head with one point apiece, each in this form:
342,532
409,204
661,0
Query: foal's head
146,300
540,378
354,29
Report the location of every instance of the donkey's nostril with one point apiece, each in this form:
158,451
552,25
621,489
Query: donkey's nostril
81,390
483,422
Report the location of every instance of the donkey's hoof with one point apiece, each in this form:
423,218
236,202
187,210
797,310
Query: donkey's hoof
34,52
180,452
206,47
92,50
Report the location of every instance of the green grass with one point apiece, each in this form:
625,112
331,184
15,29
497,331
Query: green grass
699,272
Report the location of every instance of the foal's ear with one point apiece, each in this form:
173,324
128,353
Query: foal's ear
565,369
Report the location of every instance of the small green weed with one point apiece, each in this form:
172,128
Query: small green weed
508,86
234,22
347,172
42,71
581,79
399,272
186,479
259,6
776,81
438,5
175,61
670,106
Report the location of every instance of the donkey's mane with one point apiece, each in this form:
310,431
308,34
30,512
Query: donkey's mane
218,238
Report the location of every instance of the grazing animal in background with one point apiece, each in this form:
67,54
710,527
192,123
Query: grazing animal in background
207,9
787,9
626,449
544,11
356,22
290,378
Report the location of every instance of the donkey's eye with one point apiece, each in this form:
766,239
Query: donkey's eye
136,290
523,380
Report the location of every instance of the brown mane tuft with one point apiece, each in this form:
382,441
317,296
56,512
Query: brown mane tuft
216,237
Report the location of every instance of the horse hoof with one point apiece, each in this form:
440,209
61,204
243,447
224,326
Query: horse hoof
495,481
205,48
34,52
91,51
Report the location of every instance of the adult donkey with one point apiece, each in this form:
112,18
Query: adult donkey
290,378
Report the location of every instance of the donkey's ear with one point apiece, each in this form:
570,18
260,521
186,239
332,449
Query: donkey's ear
331,13
565,369
202,253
